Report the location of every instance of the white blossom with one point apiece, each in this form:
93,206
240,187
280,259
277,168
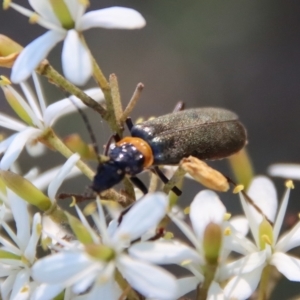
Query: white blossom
58,271
267,248
205,210
18,254
40,117
65,21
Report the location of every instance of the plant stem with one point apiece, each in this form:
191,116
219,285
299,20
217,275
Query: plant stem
54,77
263,286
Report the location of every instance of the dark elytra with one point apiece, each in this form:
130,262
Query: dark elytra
206,133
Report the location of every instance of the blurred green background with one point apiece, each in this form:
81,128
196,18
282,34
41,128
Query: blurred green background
240,55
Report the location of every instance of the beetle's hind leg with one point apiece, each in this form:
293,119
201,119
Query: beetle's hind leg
165,180
139,184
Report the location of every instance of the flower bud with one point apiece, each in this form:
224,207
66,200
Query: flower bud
75,143
9,51
204,174
15,100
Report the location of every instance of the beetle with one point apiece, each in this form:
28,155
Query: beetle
206,133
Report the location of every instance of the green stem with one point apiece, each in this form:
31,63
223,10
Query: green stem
263,286
54,77
209,274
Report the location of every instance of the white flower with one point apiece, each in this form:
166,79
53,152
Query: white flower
37,116
17,258
65,21
268,249
207,214
93,269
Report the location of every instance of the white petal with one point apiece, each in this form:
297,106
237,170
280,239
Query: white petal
238,243
252,218
61,175
21,281
83,284
61,269
40,95
112,18
243,265
22,219
289,240
187,231
142,216
281,214
42,180
66,106
262,191
33,54
47,291
242,287
35,149
149,280
107,290
30,250
289,171
287,265
76,60
240,224
44,8
86,224
17,145
7,285
10,123
186,285
206,208
215,292
164,252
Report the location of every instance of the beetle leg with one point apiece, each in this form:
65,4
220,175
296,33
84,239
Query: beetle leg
165,180
114,137
129,123
139,184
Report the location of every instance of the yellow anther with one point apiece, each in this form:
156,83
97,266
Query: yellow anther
266,239
227,216
227,231
4,81
90,209
299,216
289,184
187,210
169,235
238,189
73,203
6,4
185,262
34,18
39,228
25,289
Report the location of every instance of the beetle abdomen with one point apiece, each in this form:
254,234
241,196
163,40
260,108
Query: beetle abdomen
206,133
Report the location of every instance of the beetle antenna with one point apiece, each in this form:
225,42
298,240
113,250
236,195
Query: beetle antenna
250,201
89,129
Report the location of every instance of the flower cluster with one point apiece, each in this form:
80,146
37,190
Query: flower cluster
118,246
